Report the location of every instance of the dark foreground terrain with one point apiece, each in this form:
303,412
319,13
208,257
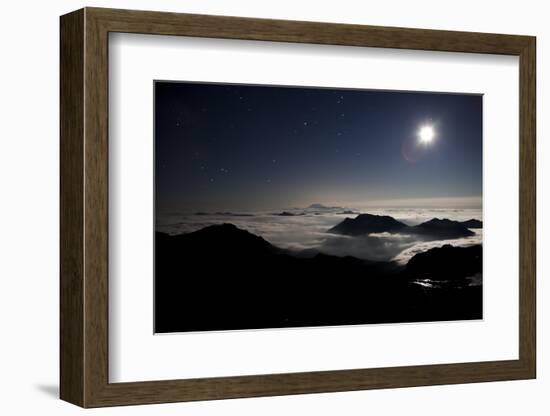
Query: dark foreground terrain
223,278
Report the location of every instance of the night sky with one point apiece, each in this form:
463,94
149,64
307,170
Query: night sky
229,147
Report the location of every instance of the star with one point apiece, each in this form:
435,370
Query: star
305,123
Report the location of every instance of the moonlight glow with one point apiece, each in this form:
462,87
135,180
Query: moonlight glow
426,134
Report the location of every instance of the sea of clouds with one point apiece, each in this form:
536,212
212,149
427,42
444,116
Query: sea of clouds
307,229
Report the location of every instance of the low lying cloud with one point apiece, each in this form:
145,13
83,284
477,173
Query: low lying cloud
420,246
307,231
365,246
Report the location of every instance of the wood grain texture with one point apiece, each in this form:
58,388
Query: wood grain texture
528,207
162,23
84,207
96,217
72,215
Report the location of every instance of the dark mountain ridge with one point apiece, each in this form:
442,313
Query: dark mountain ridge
472,223
322,207
441,229
288,214
434,228
446,262
366,224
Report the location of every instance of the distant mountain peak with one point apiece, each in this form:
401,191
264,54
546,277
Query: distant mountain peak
366,224
322,207
443,228
288,214
318,206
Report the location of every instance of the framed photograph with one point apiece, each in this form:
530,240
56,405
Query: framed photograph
256,207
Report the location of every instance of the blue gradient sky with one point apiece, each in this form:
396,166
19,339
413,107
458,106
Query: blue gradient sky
223,147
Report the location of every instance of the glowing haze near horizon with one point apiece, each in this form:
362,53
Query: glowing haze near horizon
239,148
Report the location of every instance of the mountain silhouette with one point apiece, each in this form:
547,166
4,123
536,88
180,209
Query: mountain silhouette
442,229
366,224
369,223
347,212
222,277
288,214
446,262
223,239
472,223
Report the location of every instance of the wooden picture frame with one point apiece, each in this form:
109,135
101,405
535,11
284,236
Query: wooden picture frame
84,207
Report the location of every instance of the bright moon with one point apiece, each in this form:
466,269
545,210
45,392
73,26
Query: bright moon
426,134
